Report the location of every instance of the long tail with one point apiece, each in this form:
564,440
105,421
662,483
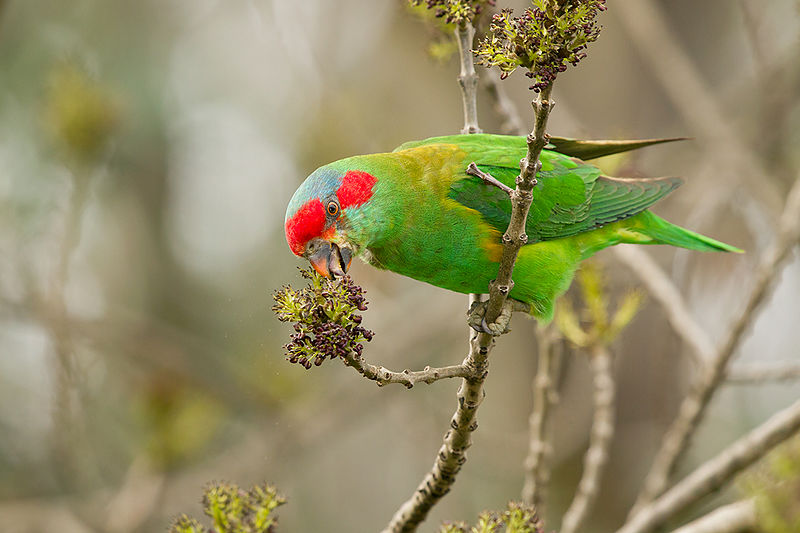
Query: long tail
647,228
663,232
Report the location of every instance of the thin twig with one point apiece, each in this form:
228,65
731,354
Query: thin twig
715,472
664,291
696,402
473,170
759,374
383,376
596,458
545,396
457,440
739,517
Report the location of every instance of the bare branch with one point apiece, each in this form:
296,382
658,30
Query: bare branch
473,170
694,405
457,440
739,517
383,376
663,290
545,396
713,474
596,458
762,373
468,78
515,237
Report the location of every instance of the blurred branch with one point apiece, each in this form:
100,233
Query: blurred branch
739,517
695,404
717,471
693,98
468,78
56,319
758,374
545,397
136,499
602,434
503,106
751,25
662,288
384,376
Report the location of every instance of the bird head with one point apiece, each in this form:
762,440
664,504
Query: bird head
317,217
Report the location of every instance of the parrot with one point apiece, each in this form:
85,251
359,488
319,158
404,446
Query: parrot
417,212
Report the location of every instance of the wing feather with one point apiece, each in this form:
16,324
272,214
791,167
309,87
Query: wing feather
571,197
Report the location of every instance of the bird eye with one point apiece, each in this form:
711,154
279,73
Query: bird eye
333,208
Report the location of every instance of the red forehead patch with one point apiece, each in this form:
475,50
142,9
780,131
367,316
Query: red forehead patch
308,222
356,188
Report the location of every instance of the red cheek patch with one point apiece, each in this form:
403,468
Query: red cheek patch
356,188
307,223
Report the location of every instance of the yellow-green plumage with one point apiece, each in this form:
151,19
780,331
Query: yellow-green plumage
429,220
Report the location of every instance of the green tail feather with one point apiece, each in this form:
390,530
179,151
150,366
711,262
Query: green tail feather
664,232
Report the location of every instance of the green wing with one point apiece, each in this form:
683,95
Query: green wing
571,197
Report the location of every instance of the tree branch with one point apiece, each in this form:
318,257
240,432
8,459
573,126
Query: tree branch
383,376
758,374
717,471
596,458
457,440
739,517
545,397
695,404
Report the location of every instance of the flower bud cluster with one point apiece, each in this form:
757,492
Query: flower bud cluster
455,11
545,39
326,322
517,518
234,510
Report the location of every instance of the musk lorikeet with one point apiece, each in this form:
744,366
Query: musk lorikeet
416,212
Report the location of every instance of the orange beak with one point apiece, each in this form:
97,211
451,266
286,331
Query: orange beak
329,260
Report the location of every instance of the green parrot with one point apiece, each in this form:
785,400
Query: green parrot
416,212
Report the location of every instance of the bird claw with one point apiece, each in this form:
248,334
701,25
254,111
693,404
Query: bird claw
477,318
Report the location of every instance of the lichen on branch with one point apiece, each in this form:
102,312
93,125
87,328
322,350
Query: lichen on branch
546,39
326,320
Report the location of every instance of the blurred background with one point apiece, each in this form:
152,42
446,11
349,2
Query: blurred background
147,153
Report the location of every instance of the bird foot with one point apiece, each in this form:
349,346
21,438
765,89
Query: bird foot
477,317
